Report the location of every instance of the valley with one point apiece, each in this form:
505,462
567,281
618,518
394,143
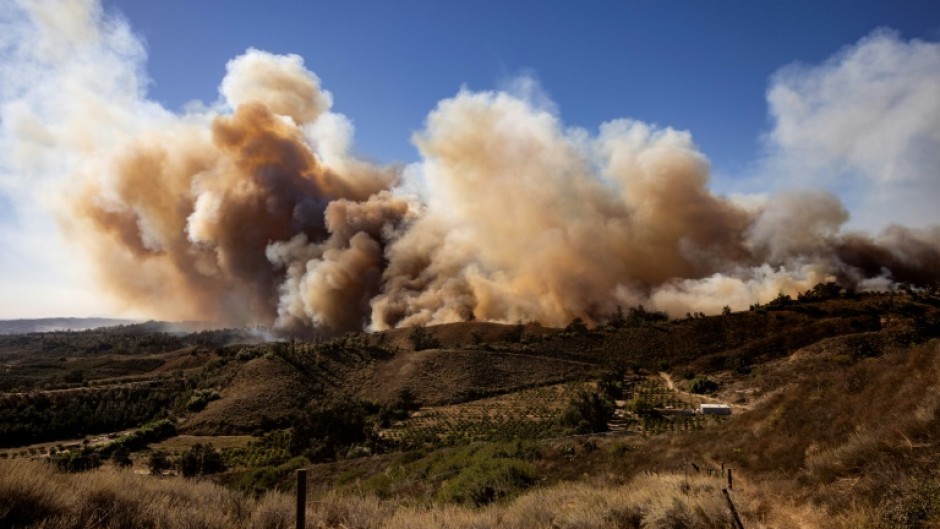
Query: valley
833,401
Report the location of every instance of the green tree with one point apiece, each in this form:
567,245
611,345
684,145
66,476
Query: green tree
201,459
588,412
702,385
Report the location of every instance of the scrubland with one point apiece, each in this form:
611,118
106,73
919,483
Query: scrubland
835,425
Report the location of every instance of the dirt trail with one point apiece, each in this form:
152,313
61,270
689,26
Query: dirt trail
703,399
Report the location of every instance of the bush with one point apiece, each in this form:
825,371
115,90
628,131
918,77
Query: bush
641,406
140,438
263,479
321,434
399,409
201,399
577,326
422,339
201,459
821,292
122,457
159,462
702,385
488,480
588,413
86,459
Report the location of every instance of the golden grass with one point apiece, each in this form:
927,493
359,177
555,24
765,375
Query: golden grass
33,495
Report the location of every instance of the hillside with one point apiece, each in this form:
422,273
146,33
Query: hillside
24,326
833,402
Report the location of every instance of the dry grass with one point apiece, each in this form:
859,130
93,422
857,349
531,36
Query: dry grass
32,495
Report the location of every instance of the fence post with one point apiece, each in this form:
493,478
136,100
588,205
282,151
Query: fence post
301,498
730,481
735,519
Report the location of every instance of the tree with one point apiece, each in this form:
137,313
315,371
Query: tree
319,434
617,320
703,385
421,339
201,459
577,326
159,462
588,413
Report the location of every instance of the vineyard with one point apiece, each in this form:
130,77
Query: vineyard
527,414
654,408
651,408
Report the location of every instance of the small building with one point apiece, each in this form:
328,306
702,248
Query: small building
714,409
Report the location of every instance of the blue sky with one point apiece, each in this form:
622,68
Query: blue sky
698,66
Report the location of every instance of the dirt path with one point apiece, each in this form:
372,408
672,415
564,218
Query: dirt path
702,399
668,380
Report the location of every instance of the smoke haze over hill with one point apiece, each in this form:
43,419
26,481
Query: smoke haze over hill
253,210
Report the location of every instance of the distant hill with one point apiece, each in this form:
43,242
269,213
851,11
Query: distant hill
58,324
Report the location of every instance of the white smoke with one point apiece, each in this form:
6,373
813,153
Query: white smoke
866,123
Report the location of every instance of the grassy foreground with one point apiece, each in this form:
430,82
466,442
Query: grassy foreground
34,495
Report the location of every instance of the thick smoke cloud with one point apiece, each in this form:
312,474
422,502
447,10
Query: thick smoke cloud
253,210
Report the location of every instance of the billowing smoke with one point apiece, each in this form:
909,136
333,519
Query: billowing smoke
253,210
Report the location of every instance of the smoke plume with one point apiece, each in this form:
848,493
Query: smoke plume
253,210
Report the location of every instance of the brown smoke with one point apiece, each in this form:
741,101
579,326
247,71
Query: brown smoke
239,218
183,221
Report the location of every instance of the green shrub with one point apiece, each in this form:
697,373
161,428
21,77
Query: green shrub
588,413
702,385
263,479
488,480
201,459
79,461
201,399
324,433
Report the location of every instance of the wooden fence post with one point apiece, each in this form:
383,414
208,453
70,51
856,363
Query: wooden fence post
301,498
735,520
730,481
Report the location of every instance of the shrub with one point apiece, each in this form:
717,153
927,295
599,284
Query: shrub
422,339
159,462
122,457
320,434
702,385
140,438
821,292
266,478
201,399
577,326
201,459
488,480
588,413
80,461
